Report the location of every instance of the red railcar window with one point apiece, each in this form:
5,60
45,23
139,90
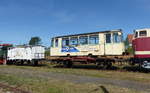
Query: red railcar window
136,34
143,33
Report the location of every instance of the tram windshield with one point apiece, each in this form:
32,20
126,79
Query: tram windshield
117,38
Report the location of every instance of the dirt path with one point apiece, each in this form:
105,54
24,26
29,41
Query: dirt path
76,79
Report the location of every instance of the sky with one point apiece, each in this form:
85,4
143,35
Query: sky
22,19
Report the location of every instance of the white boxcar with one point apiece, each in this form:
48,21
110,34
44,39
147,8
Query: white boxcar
25,53
95,43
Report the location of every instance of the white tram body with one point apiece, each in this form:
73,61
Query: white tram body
26,53
95,43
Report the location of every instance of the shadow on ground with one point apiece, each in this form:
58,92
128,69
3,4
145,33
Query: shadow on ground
117,68
89,67
135,69
39,65
93,67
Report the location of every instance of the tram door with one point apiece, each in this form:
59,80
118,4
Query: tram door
113,44
108,45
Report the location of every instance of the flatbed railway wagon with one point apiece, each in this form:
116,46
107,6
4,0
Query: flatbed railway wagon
101,48
28,54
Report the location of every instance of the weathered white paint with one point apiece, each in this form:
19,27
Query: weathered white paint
142,52
145,29
26,53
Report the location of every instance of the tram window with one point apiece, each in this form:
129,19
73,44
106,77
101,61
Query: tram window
74,41
65,42
108,38
117,38
94,39
143,33
56,42
52,43
83,40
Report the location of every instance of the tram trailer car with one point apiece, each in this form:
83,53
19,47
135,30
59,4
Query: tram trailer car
101,48
141,45
22,54
96,44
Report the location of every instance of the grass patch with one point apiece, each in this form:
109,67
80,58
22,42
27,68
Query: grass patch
122,75
37,85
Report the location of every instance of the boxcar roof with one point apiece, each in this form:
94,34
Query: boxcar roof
107,31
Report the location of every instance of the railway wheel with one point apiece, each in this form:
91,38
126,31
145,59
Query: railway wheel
99,65
144,66
22,62
67,64
104,65
8,62
16,62
35,62
107,65
90,55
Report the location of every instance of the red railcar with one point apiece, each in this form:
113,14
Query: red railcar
141,45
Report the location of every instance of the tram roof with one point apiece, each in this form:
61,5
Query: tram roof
107,31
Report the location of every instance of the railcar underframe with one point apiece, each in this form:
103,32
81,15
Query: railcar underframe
104,61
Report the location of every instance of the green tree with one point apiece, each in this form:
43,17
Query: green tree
47,52
126,42
129,49
35,41
3,50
